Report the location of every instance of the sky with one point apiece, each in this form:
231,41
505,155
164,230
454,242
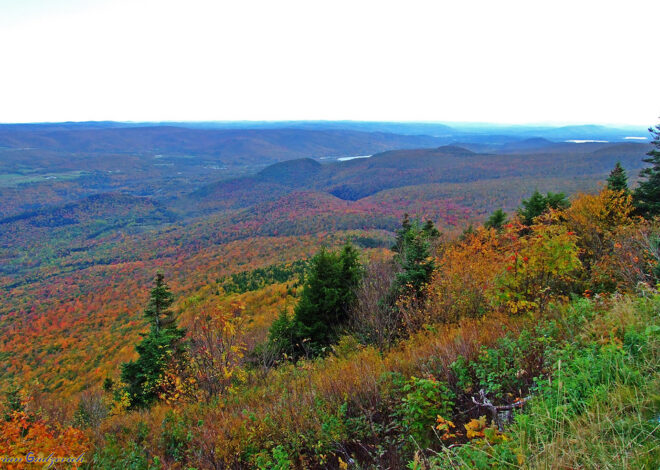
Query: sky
407,60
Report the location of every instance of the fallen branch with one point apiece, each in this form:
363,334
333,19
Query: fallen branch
500,413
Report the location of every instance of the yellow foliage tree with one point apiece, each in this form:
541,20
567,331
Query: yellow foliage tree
539,266
466,272
598,220
217,348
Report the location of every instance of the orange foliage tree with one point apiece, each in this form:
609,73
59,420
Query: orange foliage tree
634,259
596,219
466,272
23,434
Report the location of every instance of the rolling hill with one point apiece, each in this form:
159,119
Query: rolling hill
227,146
65,241
360,178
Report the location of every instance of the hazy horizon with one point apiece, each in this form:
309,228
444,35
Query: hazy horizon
355,121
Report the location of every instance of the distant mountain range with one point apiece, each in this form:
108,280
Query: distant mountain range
360,178
226,146
276,140
449,183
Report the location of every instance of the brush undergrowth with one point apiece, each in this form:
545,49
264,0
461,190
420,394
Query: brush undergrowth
589,368
598,407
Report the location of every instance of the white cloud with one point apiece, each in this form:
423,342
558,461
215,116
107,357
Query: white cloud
375,60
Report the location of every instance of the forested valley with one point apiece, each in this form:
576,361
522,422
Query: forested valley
181,298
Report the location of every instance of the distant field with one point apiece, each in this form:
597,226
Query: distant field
11,180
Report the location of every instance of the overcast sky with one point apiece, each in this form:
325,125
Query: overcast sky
489,61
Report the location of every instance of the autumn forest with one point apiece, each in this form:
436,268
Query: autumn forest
342,295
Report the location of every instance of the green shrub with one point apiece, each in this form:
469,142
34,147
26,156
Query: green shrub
277,459
175,436
130,456
506,370
423,401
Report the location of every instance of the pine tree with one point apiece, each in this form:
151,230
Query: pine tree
430,231
467,233
618,180
647,194
496,220
13,401
160,300
321,312
162,345
401,233
413,258
537,204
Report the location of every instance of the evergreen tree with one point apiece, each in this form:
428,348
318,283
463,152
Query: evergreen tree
537,204
647,194
532,207
157,350
13,401
618,180
467,233
327,294
413,258
158,309
496,220
430,231
351,275
556,201
401,233
282,337
108,384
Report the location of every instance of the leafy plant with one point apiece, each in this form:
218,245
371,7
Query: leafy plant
424,400
175,436
538,270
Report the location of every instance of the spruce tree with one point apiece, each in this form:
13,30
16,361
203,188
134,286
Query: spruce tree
556,201
532,207
13,401
430,231
537,204
647,194
158,308
321,312
401,233
282,337
496,220
467,233
351,275
162,345
618,180
413,257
